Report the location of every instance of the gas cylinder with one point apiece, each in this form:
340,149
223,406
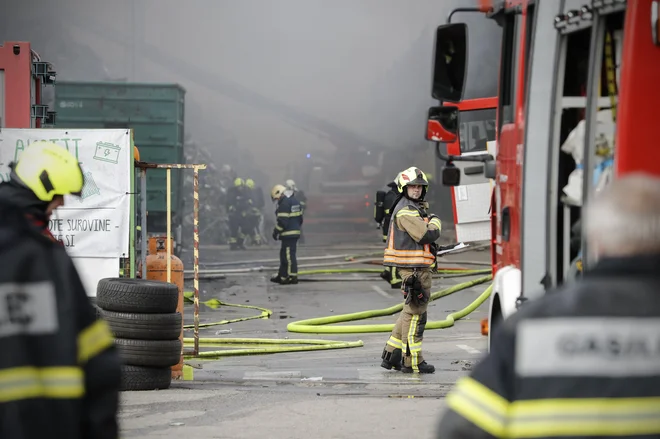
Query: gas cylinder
136,153
157,270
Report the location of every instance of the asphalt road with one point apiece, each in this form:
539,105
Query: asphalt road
320,394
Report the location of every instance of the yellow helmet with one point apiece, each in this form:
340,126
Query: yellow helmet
48,170
249,183
238,182
411,176
277,191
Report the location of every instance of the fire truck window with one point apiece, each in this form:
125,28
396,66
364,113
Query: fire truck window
508,70
477,127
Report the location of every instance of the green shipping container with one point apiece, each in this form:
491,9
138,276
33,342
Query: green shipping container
156,114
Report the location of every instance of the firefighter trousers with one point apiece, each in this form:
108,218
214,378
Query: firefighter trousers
288,258
409,328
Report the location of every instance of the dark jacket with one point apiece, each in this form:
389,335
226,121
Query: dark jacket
239,200
391,198
59,360
583,362
289,215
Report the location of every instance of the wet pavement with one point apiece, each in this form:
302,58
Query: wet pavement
322,394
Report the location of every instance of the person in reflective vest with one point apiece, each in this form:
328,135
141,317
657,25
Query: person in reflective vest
411,248
582,361
289,215
60,373
386,199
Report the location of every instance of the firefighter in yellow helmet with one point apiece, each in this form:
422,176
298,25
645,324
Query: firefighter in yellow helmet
61,366
411,248
289,215
238,208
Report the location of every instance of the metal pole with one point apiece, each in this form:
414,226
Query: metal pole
169,225
196,256
143,221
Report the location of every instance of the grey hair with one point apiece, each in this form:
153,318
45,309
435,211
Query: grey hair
624,219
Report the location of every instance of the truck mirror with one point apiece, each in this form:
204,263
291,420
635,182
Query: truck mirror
442,124
490,169
450,62
451,175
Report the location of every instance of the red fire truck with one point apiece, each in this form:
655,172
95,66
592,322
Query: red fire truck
566,69
22,74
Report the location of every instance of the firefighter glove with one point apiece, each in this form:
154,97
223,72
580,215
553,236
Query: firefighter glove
276,234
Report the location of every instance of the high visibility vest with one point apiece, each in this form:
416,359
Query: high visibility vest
401,250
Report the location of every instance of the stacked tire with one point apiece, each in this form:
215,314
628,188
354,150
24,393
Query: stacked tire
143,319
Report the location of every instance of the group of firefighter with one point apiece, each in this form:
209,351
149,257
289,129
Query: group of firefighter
245,204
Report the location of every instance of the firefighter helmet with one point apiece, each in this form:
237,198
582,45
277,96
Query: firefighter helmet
277,191
249,183
411,176
290,184
238,182
48,169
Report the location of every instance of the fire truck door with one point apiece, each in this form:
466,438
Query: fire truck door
472,200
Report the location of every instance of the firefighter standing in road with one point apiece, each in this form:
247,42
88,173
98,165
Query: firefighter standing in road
254,216
238,207
59,371
411,248
583,360
302,199
386,199
289,215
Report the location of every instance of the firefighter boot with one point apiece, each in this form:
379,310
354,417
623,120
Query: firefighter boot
277,279
423,367
391,360
290,280
385,275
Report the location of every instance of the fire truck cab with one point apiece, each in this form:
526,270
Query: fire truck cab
577,87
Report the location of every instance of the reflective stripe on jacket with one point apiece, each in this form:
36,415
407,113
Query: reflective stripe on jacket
289,217
579,362
402,250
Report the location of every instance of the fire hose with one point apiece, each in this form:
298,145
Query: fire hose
320,325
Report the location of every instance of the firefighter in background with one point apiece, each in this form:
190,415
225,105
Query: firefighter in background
302,199
255,214
386,199
289,215
238,207
411,248
60,365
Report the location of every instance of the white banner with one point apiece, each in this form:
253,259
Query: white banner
97,224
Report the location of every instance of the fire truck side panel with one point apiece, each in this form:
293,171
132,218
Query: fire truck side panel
637,115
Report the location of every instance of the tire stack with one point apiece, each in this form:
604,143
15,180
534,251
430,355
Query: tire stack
142,316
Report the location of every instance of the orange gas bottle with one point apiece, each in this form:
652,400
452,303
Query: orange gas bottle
136,153
157,270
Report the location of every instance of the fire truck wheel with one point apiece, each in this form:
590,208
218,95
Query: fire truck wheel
136,295
144,326
145,378
149,353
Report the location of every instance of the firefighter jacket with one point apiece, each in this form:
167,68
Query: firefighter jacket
582,362
410,236
389,202
239,201
289,215
60,372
